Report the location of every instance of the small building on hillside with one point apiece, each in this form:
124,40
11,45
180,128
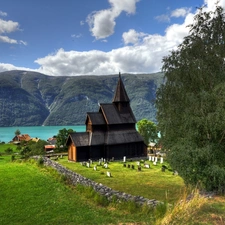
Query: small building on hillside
21,137
110,132
49,148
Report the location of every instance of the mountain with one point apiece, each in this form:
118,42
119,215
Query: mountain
35,99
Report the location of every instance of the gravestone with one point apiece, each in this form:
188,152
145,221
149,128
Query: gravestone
138,163
108,174
163,168
147,166
139,168
149,158
106,165
155,163
95,168
88,165
124,165
153,158
128,166
132,166
161,160
156,159
124,159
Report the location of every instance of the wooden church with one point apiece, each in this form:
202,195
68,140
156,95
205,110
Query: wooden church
110,132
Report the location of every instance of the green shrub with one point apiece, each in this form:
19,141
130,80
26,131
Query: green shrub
101,200
40,161
9,151
133,207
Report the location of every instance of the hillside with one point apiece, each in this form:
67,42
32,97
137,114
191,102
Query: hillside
34,99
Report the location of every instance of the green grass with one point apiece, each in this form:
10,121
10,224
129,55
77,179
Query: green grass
150,183
39,195
3,147
36,195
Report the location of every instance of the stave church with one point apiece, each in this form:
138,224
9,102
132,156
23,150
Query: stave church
110,133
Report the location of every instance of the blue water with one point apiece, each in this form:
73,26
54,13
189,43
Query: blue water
42,132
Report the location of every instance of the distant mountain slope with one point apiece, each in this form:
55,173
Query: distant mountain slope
34,99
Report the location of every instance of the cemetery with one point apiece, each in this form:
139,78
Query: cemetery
109,177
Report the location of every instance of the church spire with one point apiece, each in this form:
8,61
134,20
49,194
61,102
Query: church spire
120,93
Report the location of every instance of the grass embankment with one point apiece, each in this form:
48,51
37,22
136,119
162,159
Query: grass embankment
33,195
38,195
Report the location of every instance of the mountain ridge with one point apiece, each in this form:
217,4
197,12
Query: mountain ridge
34,99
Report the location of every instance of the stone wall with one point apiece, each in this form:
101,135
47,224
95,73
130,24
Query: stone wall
98,187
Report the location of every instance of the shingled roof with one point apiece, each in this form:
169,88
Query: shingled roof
96,118
122,137
113,116
120,93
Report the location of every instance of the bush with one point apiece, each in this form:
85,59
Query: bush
9,151
40,161
101,200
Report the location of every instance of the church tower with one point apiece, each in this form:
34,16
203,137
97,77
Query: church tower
121,99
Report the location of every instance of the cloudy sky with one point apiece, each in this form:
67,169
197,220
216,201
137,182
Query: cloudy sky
92,37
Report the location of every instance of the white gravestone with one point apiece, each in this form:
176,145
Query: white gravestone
108,174
154,163
124,159
149,158
156,159
161,160
153,158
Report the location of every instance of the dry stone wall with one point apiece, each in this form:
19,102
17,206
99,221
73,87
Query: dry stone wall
98,187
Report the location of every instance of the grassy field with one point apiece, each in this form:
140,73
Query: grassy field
150,183
33,195
38,195
3,147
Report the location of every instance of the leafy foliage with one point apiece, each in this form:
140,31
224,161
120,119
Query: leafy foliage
17,132
31,148
191,104
148,130
61,138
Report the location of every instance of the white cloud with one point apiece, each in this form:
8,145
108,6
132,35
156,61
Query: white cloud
7,67
211,4
3,13
182,12
132,37
8,40
144,56
102,23
76,35
143,53
163,18
9,27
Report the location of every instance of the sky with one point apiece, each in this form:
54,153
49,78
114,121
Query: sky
93,37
